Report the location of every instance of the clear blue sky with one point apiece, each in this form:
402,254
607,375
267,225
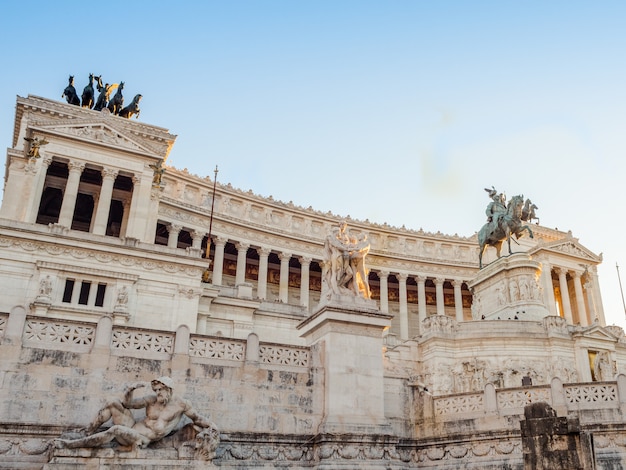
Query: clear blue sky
392,111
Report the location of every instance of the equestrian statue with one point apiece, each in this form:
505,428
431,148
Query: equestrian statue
502,222
115,105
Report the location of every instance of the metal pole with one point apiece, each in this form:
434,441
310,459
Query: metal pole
205,275
620,287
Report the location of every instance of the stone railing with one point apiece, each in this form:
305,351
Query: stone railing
80,337
564,398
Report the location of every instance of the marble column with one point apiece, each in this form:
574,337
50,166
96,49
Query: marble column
567,308
283,289
104,201
218,260
421,298
441,306
126,209
404,309
580,300
305,264
172,235
242,252
384,291
548,288
264,254
70,194
38,192
458,299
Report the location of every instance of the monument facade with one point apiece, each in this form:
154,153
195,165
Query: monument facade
310,340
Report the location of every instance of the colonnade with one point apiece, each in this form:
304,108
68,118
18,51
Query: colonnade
217,268
102,198
562,304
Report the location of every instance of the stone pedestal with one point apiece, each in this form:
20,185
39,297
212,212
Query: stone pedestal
109,459
509,289
349,335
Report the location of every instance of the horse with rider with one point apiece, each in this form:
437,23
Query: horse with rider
502,222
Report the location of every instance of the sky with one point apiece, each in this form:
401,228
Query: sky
392,111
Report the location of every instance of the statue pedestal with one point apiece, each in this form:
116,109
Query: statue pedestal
350,340
110,458
509,289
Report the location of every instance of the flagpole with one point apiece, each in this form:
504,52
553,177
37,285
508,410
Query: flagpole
620,287
205,275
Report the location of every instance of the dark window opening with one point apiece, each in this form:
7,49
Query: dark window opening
83,212
116,213
184,239
83,297
161,235
50,206
100,295
67,292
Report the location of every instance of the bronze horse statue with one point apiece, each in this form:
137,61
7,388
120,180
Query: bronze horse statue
132,108
70,93
115,105
528,212
504,225
105,93
88,94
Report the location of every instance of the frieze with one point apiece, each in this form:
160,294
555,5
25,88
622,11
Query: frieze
58,250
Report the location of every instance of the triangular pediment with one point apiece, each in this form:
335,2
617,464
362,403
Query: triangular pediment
569,247
102,133
597,332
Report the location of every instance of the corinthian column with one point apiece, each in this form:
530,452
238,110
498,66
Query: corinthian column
404,309
264,254
242,252
305,263
441,306
567,308
421,298
580,300
70,194
458,299
104,201
384,291
283,289
218,260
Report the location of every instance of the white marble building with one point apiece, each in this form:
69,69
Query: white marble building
107,259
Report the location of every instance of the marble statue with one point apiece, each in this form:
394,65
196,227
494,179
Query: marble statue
501,224
344,255
163,409
70,93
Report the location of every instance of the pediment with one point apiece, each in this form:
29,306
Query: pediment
597,332
570,247
102,133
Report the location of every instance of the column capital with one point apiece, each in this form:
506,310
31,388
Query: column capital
305,260
439,280
402,277
109,173
242,246
383,273
457,282
420,278
136,179
174,227
197,234
284,256
263,251
560,270
220,241
75,167
46,161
